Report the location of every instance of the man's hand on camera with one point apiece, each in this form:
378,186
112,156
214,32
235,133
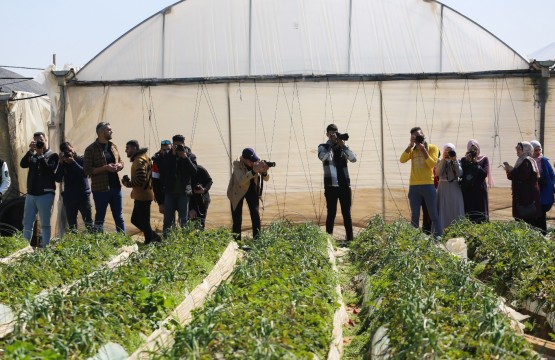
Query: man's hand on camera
260,167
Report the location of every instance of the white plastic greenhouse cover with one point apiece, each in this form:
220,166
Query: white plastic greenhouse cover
222,38
272,74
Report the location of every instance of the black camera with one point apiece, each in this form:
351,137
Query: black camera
452,153
472,154
180,148
419,139
343,136
269,163
68,154
39,144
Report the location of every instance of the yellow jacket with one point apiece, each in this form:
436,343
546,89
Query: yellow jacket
421,169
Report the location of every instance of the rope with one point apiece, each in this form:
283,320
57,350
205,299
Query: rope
195,115
214,117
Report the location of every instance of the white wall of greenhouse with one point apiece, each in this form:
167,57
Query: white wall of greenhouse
273,74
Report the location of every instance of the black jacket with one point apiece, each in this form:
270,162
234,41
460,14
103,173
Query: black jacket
175,174
40,179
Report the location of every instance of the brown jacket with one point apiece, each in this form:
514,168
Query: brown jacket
93,158
240,181
141,177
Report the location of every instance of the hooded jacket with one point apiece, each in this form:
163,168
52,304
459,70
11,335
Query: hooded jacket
141,176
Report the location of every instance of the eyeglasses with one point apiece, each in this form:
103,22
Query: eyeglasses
166,142
538,149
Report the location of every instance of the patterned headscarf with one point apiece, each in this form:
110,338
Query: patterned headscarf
479,158
527,151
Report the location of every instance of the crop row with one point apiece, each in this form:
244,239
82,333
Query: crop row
119,306
10,244
64,261
517,261
279,304
421,302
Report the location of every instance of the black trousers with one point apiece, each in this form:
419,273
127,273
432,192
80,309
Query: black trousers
141,218
343,194
237,215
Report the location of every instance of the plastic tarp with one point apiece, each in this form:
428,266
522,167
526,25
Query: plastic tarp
220,38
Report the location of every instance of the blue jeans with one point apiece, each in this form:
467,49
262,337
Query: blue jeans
173,203
101,201
427,194
43,205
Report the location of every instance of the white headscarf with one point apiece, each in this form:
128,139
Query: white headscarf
527,151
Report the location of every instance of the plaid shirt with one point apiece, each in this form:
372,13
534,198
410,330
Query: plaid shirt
332,165
94,158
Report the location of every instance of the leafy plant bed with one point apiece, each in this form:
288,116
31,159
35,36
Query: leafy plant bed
514,259
279,304
10,244
119,306
421,302
71,258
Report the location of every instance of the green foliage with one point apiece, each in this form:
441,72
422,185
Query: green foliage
120,306
279,304
427,300
517,260
9,245
64,261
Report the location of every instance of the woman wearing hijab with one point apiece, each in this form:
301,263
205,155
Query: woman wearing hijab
475,181
524,178
547,179
449,195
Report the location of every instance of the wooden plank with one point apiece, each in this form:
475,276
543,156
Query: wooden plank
544,347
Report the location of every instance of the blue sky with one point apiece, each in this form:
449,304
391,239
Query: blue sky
77,30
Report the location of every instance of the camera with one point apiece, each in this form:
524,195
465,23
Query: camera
39,144
269,163
452,153
343,136
472,154
180,148
419,139
68,154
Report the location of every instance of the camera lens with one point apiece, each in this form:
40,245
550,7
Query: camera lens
452,153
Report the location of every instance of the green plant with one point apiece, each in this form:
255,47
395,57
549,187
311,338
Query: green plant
279,303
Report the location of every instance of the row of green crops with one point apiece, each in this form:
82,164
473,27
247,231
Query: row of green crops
279,304
122,306
516,260
62,262
10,244
427,300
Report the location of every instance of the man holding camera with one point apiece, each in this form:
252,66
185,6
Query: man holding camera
102,163
337,184
41,187
176,171
157,186
245,183
77,192
142,194
423,158
200,196
5,180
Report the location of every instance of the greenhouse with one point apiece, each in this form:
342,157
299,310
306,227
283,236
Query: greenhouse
272,75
